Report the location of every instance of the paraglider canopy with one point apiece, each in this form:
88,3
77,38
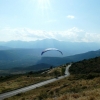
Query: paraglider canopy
51,49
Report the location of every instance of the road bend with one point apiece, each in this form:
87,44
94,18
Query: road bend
24,89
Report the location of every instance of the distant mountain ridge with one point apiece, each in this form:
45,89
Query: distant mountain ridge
69,48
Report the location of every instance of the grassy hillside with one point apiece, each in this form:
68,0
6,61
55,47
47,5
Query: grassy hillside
69,88
11,82
84,85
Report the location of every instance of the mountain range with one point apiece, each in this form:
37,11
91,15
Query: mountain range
68,48
24,60
22,54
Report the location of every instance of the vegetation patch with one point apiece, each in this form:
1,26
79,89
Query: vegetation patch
82,84
65,89
12,82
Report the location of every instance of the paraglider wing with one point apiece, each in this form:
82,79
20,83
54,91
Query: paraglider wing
60,52
44,51
51,49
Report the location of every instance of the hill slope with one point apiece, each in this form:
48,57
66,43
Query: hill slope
28,57
18,58
74,58
83,85
86,66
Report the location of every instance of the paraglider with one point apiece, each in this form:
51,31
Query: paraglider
51,49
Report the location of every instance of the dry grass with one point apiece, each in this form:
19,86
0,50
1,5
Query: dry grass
55,69
85,95
25,80
66,89
19,82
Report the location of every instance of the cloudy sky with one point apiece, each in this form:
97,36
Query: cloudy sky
67,20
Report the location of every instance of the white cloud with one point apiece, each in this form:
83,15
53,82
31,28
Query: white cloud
25,34
70,16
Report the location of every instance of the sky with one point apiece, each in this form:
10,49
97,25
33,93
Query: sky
65,20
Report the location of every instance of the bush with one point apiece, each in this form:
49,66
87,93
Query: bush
92,75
